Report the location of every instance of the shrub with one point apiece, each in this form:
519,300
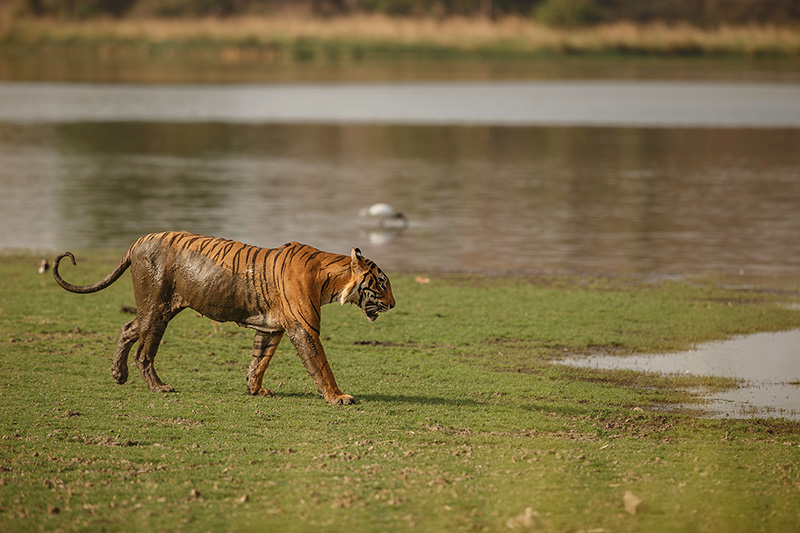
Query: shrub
568,13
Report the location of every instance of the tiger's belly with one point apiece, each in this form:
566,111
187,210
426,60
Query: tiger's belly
263,323
219,294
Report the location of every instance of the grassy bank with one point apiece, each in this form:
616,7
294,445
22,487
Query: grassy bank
462,422
359,36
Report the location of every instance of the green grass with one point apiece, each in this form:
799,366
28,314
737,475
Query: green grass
462,422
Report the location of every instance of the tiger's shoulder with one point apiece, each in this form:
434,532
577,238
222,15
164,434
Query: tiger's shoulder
305,256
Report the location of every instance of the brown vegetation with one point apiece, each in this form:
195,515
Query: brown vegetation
510,35
706,13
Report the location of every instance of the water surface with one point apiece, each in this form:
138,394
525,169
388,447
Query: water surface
591,199
517,103
655,177
769,364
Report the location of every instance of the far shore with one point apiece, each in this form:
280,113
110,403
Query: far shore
355,37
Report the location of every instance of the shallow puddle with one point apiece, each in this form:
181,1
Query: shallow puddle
768,362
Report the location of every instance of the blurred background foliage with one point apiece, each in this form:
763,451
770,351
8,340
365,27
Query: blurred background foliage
563,13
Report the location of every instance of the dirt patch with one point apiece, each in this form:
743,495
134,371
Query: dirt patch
93,440
387,344
403,345
175,422
468,432
556,352
637,426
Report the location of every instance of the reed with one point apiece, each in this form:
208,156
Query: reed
382,34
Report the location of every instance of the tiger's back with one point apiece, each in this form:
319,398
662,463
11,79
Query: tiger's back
228,280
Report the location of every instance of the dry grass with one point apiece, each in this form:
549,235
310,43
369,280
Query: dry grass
512,35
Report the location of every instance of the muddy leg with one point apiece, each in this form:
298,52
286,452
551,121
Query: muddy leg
310,350
149,340
264,346
129,336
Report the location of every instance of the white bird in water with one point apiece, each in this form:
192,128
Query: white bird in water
384,214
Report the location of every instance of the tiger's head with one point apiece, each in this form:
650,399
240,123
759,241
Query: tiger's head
369,287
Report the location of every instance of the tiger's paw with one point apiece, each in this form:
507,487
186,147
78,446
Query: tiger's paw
120,374
264,392
162,388
341,399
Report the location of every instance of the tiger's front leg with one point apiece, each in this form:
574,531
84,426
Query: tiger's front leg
264,346
310,350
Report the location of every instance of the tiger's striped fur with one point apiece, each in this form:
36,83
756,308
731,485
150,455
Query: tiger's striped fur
272,291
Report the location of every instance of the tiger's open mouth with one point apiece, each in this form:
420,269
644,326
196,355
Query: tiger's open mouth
372,313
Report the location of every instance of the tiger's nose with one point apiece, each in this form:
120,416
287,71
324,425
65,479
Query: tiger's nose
391,302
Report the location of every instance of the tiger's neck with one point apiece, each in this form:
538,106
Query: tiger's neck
337,283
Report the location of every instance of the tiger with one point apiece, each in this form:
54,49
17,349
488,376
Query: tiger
269,290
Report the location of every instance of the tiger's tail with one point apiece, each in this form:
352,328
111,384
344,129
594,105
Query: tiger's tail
113,276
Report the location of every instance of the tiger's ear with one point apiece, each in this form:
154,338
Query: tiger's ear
356,260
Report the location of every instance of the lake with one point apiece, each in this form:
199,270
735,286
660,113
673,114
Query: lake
597,175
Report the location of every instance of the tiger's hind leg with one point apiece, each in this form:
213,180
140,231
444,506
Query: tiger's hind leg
151,330
149,341
264,346
129,336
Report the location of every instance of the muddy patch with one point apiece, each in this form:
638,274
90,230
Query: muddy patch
767,363
421,346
